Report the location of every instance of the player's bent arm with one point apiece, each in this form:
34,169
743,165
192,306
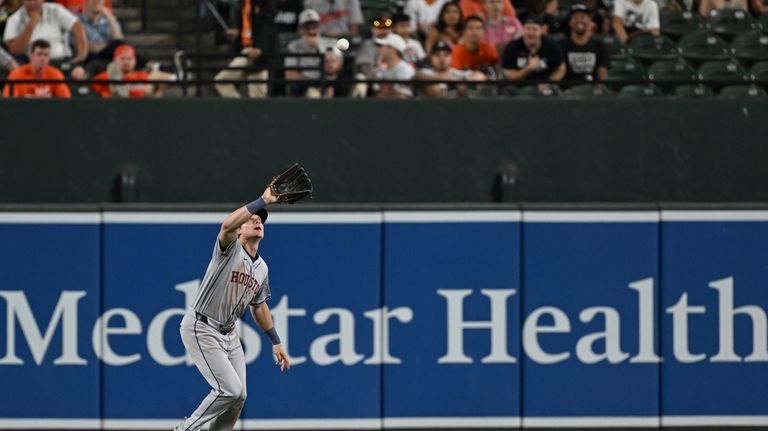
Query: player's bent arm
263,318
232,223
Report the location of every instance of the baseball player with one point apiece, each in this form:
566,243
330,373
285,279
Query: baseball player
236,278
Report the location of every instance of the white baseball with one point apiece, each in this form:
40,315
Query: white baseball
342,44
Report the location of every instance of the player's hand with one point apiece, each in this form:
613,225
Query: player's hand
534,62
78,73
281,358
268,196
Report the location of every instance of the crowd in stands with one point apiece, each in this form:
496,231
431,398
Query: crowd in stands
464,45
74,40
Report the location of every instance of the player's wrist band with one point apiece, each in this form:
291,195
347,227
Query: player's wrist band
256,205
272,335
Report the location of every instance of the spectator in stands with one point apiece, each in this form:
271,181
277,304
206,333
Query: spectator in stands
7,61
534,56
37,68
707,6
52,22
440,69
547,11
759,7
333,85
123,68
310,43
500,29
401,26
102,30
7,8
79,6
368,52
423,15
392,67
586,57
473,52
447,28
337,17
477,8
634,17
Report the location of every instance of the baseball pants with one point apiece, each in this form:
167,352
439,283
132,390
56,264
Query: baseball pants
220,359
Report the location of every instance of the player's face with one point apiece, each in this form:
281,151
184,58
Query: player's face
253,228
126,63
39,58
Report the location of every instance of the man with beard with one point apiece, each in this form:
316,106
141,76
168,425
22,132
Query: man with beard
440,69
586,58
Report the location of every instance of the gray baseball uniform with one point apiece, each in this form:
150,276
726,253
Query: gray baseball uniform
232,281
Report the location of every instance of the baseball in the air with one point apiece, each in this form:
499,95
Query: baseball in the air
342,44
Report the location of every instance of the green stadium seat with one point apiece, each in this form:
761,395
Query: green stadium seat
702,46
625,70
763,20
676,24
759,72
693,91
616,49
676,71
650,48
640,91
589,91
750,47
743,91
731,22
533,91
722,72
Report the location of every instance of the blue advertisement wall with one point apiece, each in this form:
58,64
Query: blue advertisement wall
425,319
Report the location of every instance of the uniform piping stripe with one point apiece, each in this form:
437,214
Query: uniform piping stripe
214,378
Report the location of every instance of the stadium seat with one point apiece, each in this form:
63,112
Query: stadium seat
533,91
759,72
743,91
675,71
640,91
722,72
702,46
763,20
730,22
650,48
616,49
750,47
589,90
625,70
676,24
693,91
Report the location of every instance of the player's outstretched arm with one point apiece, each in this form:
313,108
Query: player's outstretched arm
232,223
263,318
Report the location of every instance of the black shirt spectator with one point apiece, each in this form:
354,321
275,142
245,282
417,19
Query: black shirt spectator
586,58
533,56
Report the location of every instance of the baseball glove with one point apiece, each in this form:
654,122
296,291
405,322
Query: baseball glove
291,185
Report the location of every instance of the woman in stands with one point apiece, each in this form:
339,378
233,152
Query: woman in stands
447,28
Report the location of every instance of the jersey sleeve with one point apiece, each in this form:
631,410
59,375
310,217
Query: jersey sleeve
652,20
64,17
218,253
264,293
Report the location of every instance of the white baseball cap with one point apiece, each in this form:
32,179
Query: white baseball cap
308,15
393,40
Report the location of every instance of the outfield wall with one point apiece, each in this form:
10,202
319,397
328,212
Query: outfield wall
372,151
397,319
